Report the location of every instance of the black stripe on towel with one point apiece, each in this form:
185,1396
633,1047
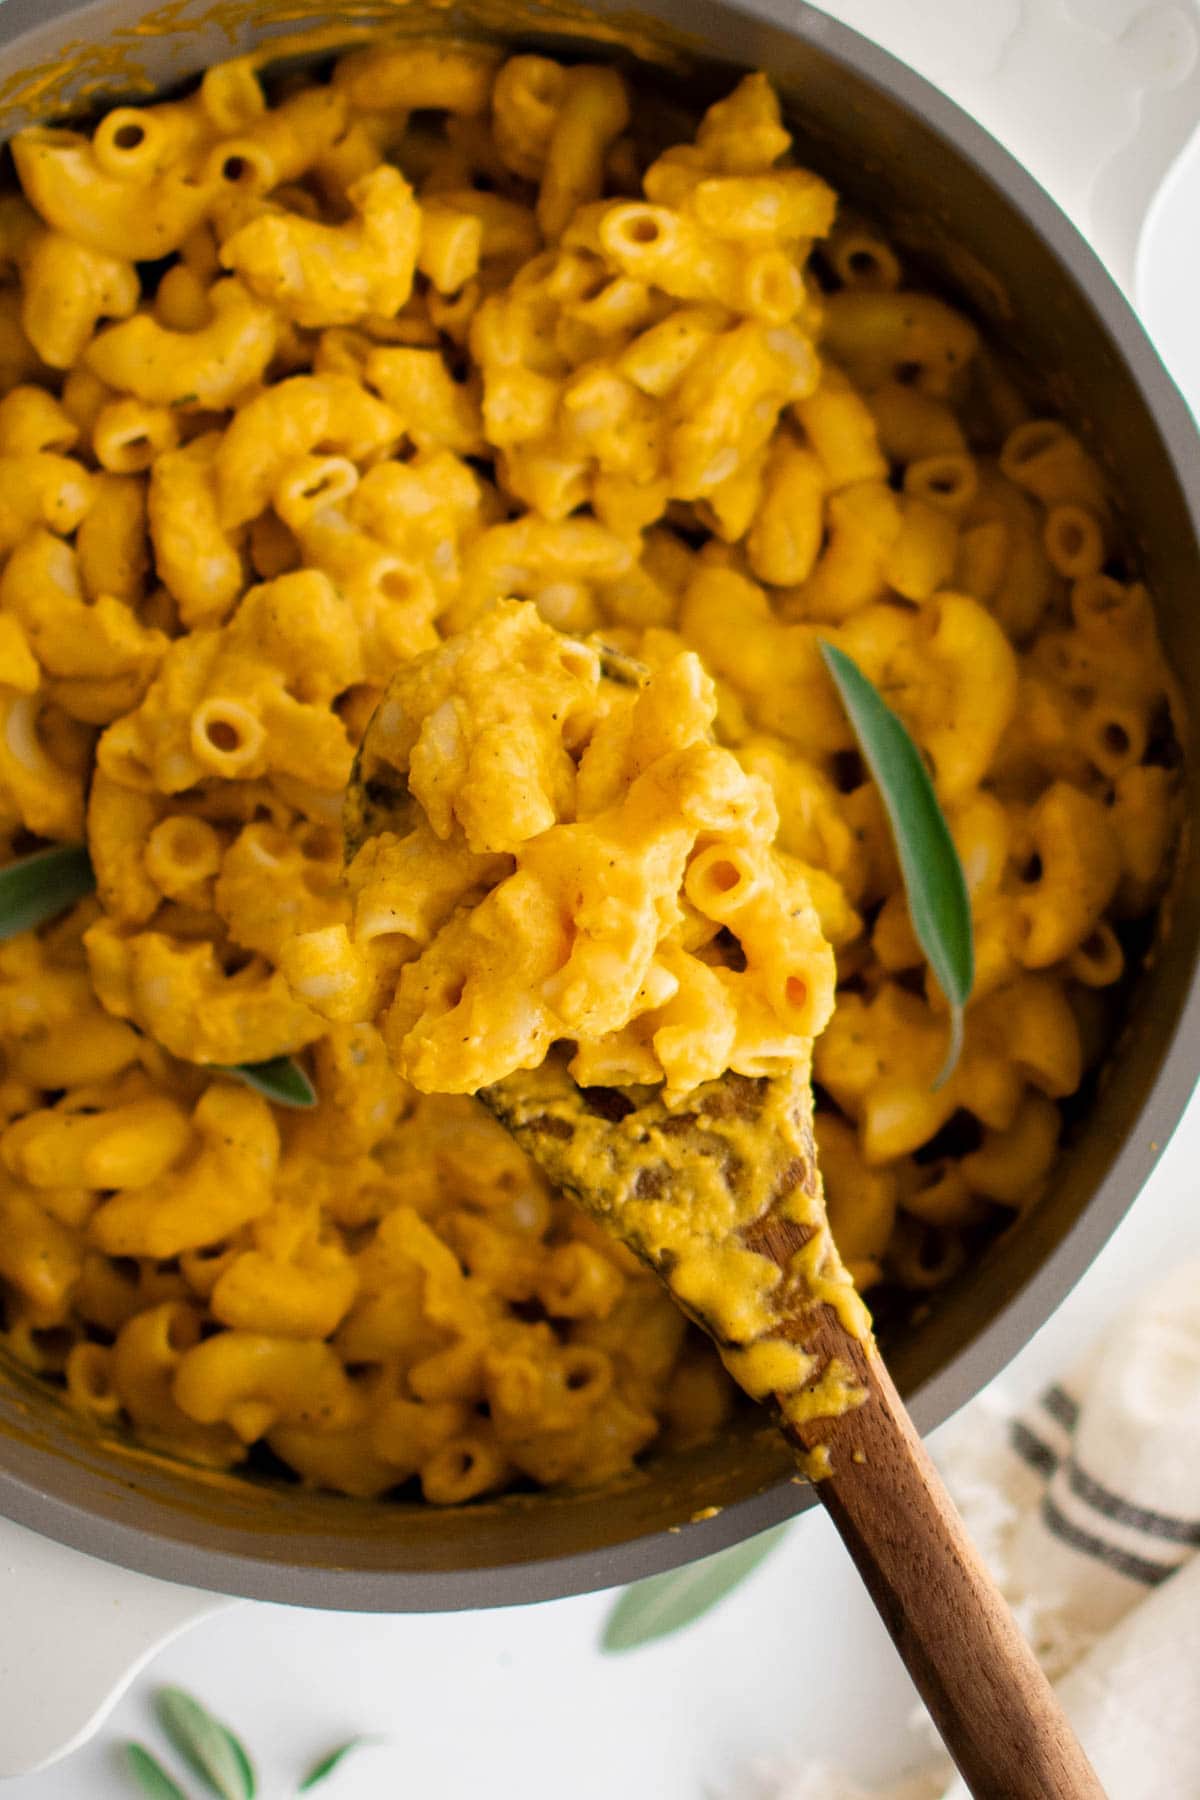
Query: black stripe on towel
1124,1512
1059,1404
1031,1449
1134,1568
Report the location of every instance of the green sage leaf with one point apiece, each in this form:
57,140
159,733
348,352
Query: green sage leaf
242,1758
938,903
150,1775
321,1770
666,1603
206,1745
281,1080
41,886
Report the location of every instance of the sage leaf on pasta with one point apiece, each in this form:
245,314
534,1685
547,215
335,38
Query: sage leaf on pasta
281,1080
938,902
666,1603
150,1775
41,886
325,1767
206,1745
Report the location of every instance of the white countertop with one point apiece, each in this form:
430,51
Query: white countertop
519,1703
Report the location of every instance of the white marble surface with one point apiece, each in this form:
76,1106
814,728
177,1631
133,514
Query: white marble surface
519,1702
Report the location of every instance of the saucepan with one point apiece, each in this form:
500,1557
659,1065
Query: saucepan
983,231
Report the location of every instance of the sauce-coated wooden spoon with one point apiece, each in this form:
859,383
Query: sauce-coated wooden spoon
991,1702
809,1354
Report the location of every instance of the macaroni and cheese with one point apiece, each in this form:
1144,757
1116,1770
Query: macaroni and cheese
422,374
582,861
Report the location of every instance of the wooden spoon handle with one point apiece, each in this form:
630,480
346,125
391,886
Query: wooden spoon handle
995,1709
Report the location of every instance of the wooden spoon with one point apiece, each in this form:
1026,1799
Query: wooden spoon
991,1702
752,1140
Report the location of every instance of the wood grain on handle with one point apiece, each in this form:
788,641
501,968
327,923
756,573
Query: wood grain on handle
991,1702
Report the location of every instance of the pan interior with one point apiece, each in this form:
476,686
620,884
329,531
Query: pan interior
880,136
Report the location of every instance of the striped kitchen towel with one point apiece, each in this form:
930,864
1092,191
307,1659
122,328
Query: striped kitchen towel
1090,1499
1086,1507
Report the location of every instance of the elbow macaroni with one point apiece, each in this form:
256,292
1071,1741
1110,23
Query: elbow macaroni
436,372
621,824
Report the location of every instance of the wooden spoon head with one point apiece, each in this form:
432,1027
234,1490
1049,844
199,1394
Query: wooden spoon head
738,1152
706,1193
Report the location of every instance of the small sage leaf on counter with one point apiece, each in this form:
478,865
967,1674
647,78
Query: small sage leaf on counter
666,1603
41,886
242,1758
323,1769
938,902
150,1775
281,1080
206,1745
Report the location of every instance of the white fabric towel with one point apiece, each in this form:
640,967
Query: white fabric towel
1086,1508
